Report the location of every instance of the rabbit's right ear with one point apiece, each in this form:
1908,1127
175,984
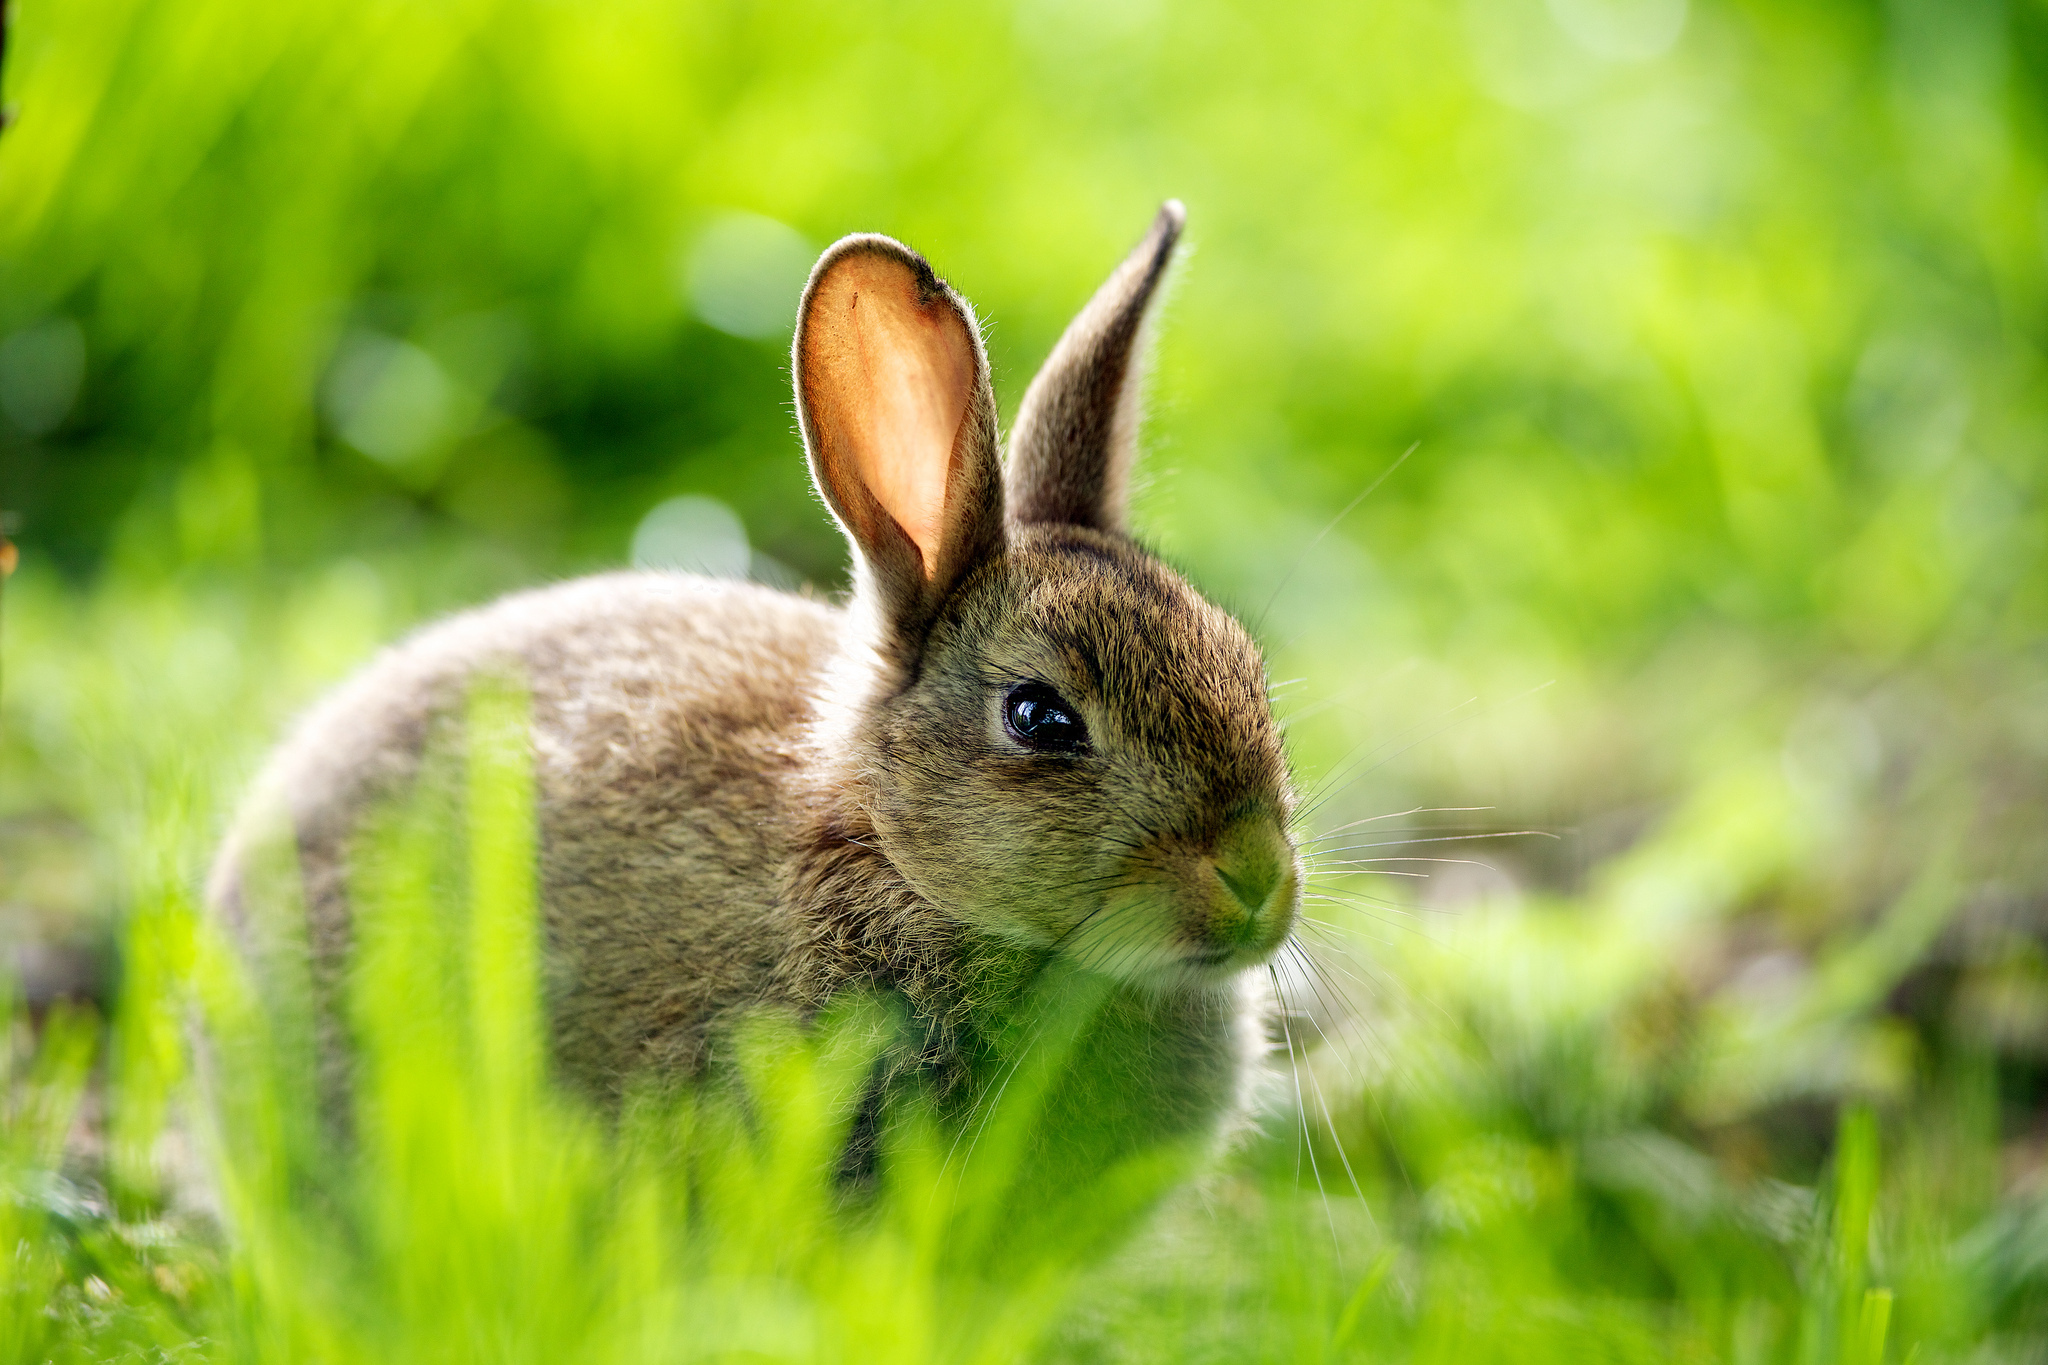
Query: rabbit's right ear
1076,433
893,395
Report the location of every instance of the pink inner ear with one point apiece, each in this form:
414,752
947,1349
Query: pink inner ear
903,395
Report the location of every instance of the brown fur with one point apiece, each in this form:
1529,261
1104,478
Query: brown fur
749,798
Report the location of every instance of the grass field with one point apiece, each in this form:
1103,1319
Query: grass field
1495,1133
1672,718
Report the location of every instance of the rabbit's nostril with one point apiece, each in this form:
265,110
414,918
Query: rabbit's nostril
1253,886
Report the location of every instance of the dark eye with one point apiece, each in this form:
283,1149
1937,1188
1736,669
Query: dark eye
1041,719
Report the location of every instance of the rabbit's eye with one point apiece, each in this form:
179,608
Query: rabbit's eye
1039,718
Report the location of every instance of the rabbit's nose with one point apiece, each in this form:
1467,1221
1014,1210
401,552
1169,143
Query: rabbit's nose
1255,863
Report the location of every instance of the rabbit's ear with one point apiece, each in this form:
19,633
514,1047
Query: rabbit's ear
893,394
1070,455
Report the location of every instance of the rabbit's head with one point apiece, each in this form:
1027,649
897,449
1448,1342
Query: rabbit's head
1056,739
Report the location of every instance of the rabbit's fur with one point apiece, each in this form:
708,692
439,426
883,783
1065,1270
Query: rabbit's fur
752,798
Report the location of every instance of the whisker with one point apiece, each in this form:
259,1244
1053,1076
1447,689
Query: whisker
1355,899
1327,786
1124,944
1362,867
1308,965
1323,849
1321,535
1324,842
1352,780
1398,814
1331,966
1315,1084
1355,933
1448,839
1343,696
1304,1140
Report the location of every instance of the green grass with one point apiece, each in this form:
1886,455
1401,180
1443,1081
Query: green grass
1717,331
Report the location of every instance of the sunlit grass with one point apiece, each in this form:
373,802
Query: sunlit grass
1713,327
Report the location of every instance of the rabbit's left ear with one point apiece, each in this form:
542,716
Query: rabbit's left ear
893,393
1076,434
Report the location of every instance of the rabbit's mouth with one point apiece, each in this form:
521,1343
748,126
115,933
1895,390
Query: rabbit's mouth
1226,960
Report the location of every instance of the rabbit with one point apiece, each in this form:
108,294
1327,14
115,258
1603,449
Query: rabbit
1022,741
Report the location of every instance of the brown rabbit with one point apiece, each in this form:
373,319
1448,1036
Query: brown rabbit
1022,741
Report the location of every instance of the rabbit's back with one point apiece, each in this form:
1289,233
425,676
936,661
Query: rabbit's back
669,718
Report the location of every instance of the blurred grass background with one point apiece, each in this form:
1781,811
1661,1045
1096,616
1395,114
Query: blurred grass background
1720,559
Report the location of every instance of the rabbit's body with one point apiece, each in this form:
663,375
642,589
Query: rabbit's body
669,718
1023,741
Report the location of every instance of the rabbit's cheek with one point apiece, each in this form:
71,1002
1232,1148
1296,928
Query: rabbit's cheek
1130,936
966,847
